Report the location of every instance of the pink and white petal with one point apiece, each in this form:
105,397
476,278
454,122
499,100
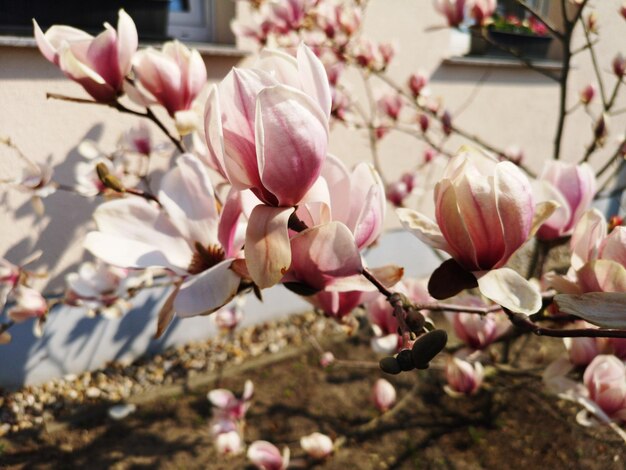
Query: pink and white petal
614,246
602,276
291,142
138,220
562,284
282,66
423,228
102,57
50,42
187,196
555,225
515,206
208,291
221,398
387,344
338,179
510,290
324,253
267,248
589,234
127,41
314,79
231,224
213,131
266,455
93,83
452,226
128,253
605,309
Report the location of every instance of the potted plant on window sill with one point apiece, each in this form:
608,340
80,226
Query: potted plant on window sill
529,38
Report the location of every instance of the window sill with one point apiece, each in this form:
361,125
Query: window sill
502,62
205,49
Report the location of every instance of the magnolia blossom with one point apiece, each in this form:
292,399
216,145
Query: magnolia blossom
266,456
267,131
581,351
187,235
463,377
453,10
36,180
101,288
605,379
175,75
29,303
598,261
229,443
484,212
573,186
227,405
137,139
9,279
228,318
99,64
478,331
384,395
317,445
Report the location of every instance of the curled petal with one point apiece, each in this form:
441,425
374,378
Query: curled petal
267,249
313,78
323,253
602,276
507,288
423,228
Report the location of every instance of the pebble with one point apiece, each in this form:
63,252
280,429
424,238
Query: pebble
33,406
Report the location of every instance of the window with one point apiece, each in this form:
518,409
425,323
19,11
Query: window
156,20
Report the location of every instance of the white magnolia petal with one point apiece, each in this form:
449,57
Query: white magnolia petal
423,228
507,288
207,291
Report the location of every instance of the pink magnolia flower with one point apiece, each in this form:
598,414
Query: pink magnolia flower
453,10
28,304
462,376
228,318
268,132
478,331
175,75
137,139
227,406
598,261
384,395
265,456
336,304
581,351
619,65
605,379
9,279
229,443
482,10
99,64
576,186
484,212
387,51
317,445
187,235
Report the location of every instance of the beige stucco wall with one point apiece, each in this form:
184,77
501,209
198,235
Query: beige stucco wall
513,106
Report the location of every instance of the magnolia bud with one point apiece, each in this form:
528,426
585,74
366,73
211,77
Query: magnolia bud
619,65
592,22
446,123
108,180
587,94
417,82
622,10
427,346
600,131
424,122
384,395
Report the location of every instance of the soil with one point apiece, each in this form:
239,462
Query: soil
512,423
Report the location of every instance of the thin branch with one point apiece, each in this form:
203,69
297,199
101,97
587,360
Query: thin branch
594,61
523,322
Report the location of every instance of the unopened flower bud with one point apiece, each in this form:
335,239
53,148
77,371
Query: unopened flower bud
383,395
587,94
622,10
600,131
429,155
424,122
417,82
615,221
619,65
415,320
390,365
446,123
427,346
108,180
592,22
